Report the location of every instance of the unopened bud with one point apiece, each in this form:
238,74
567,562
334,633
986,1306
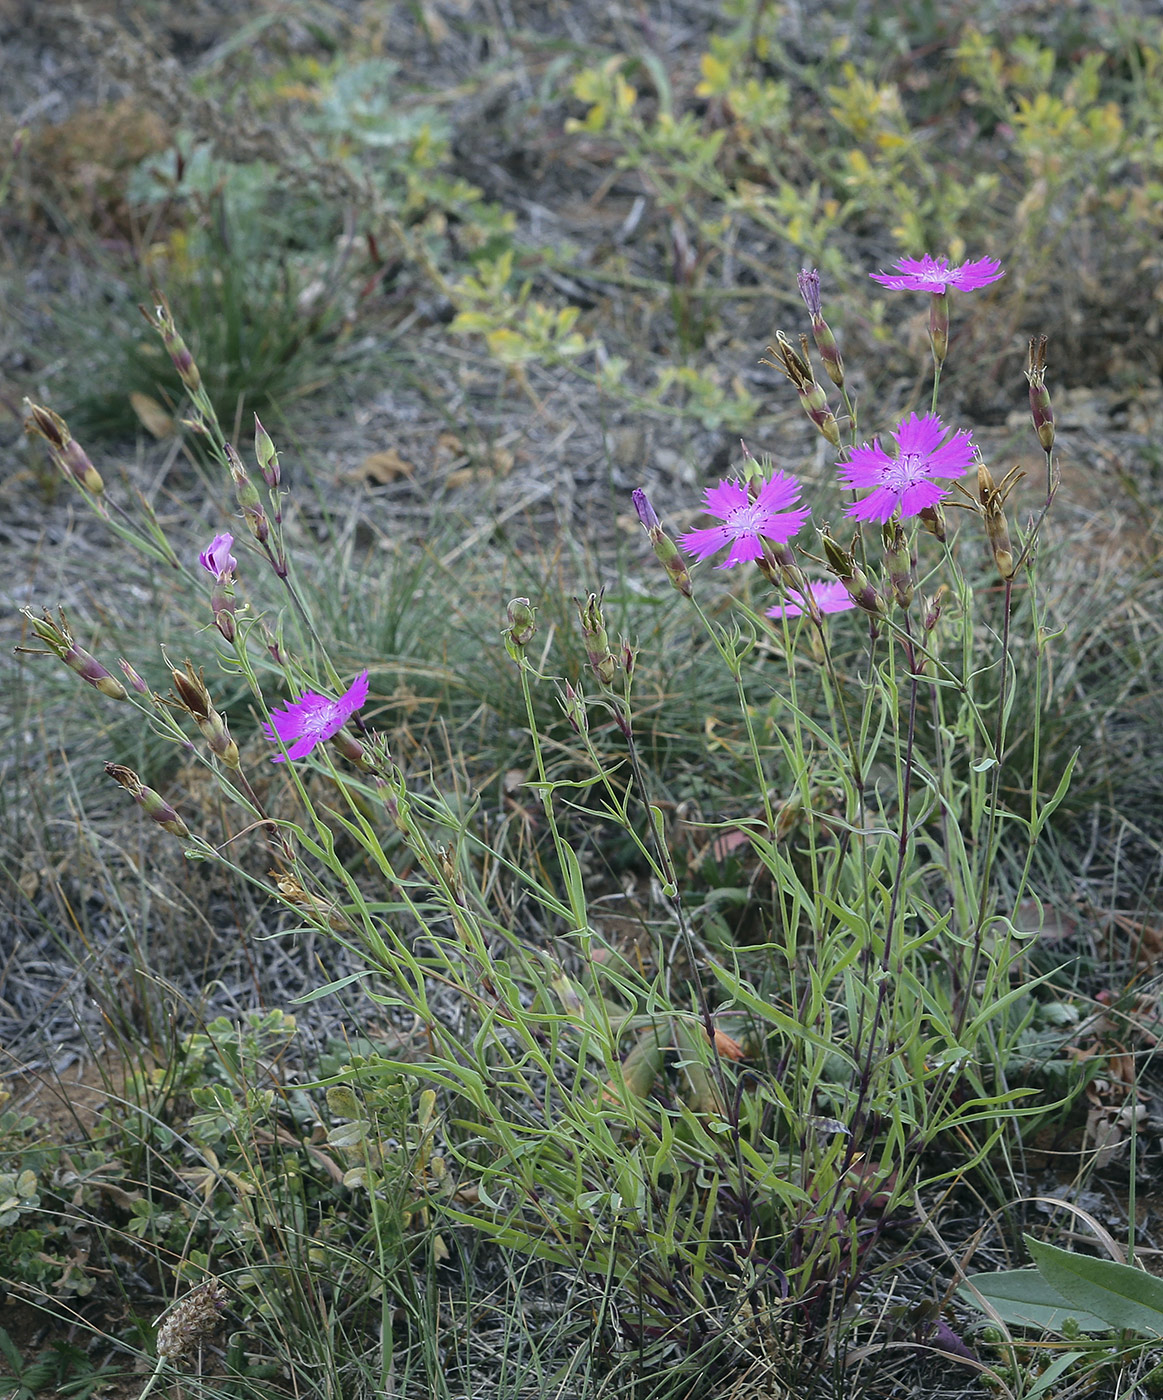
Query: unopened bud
602,661
665,549
842,563
248,498
932,519
194,698
821,332
1041,409
163,322
132,677
797,367
59,640
152,803
574,706
274,645
898,557
66,452
268,458
933,608
522,622
990,503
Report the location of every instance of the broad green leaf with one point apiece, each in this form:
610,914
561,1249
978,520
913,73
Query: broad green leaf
1023,1298
1124,1297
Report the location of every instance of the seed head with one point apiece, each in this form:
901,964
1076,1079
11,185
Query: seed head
191,1321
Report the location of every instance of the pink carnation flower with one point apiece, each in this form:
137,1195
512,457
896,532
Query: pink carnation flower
747,521
830,597
905,481
313,718
218,558
935,275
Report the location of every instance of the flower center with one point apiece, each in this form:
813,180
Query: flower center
906,470
746,520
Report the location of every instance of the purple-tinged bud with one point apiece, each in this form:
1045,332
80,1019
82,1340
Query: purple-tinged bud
939,326
821,332
665,549
248,497
67,453
1041,409
629,656
132,677
152,803
932,519
898,557
522,623
797,366
268,458
59,640
275,646
647,515
602,661
574,706
843,564
933,607
162,321
194,698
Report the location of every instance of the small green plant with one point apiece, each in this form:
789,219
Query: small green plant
741,1106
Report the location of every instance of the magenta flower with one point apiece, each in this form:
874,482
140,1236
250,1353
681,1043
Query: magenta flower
218,558
746,521
313,718
905,481
935,275
831,597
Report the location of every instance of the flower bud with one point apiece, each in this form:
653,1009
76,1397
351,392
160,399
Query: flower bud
193,697
522,622
1040,407
843,564
798,369
132,677
248,497
274,645
151,802
665,549
574,706
821,331
59,640
990,504
162,321
933,520
68,454
933,608
602,661
268,458
898,557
